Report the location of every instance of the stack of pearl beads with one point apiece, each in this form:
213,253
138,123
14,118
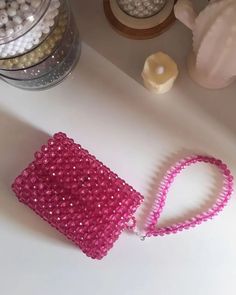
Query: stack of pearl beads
17,15
54,68
39,53
140,8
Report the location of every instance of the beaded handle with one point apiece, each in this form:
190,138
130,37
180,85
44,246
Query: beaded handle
223,198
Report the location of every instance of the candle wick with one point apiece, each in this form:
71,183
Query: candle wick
160,70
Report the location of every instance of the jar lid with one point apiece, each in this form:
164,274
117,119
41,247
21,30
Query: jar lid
18,16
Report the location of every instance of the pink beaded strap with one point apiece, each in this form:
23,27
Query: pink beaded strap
225,194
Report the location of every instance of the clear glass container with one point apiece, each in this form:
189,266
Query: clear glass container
50,60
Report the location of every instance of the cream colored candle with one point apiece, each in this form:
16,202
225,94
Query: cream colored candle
159,73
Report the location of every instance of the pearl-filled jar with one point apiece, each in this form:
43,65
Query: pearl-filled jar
139,19
140,8
44,54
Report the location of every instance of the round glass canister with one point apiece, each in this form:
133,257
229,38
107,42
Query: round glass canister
46,47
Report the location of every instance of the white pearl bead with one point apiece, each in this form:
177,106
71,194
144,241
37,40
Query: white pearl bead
36,41
38,35
49,16
14,5
18,28
35,3
44,25
11,11
126,8
9,31
46,30
2,4
3,17
27,15
24,7
137,3
51,23
22,50
54,13
9,24
17,19
28,45
56,4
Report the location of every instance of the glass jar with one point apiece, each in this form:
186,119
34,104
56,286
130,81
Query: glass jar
46,48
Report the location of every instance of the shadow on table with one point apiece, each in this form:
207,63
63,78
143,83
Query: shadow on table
19,141
219,104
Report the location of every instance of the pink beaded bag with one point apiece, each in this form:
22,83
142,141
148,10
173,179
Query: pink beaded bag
91,205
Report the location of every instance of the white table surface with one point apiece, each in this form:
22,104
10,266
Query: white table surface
137,135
